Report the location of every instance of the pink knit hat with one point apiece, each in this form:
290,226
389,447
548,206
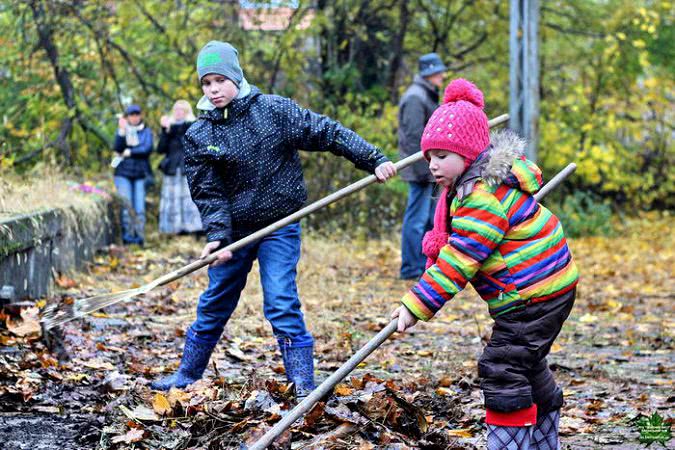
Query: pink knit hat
459,125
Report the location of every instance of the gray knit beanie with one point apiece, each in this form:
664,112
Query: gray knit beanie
221,58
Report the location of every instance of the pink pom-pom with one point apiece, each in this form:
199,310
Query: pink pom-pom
433,242
461,89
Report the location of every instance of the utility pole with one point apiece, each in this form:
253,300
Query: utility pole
524,72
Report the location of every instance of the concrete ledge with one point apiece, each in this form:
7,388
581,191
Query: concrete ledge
34,245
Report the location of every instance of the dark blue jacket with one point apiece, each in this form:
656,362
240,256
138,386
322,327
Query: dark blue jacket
243,167
136,166
171,144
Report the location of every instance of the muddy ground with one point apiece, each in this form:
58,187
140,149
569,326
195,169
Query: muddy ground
614,357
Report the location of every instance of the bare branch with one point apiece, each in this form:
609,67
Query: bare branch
574,31
162,29
146,85
471,47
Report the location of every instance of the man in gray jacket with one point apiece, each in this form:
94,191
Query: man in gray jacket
415,108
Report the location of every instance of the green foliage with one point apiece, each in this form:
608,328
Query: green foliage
607,100
584,214
606,77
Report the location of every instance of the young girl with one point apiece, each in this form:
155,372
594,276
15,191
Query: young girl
513,251
244,172
133,144
177,211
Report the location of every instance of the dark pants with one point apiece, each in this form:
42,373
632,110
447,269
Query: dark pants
513,368
417,220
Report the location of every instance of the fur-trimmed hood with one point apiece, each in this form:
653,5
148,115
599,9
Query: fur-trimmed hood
502,162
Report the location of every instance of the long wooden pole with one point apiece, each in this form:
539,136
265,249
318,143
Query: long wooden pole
54,317
344,370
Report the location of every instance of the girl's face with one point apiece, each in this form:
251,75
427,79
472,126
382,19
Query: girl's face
445,166
218,89
179,113
134,119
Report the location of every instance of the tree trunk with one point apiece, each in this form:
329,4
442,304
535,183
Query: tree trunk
397,49
46,41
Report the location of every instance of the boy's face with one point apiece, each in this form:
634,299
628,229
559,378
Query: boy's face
219,90
445,166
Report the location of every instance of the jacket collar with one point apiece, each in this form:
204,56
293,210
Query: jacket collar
236,107
494,164
430,88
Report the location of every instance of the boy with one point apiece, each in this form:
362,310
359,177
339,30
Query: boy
244,172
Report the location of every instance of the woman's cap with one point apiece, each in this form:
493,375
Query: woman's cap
132,109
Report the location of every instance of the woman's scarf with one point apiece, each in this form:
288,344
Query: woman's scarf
131,134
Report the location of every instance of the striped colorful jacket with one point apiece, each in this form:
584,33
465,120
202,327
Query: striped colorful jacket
512,249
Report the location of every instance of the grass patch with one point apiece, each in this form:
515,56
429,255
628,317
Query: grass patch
82,207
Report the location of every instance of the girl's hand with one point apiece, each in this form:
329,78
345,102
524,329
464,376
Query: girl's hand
122,123
385,171
164,122
222,257
406,319
126,153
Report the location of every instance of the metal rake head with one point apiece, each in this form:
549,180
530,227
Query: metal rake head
58,314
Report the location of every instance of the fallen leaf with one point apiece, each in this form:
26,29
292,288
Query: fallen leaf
555,348
588,318
444,391
161,405
445,382
140,413
133,435
343,390
65,282
98,364
115,382
178,396
29,324
460,432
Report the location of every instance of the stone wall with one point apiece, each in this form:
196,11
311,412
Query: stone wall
34,246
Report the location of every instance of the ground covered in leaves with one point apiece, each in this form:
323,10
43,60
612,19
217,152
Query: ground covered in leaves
88,387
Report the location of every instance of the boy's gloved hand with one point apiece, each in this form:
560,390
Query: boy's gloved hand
406,319
385,171
210,247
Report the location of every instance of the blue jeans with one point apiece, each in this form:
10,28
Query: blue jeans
418,219
278,255
133,193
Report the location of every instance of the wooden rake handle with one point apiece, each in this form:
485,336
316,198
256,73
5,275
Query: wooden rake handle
54,316
307,210
344,370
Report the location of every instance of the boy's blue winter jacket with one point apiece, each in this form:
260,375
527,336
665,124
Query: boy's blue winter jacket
242,162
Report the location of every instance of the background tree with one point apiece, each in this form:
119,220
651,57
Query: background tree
68,68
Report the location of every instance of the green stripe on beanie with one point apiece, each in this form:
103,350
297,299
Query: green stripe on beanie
220,58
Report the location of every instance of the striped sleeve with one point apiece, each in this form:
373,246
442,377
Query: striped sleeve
478,226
